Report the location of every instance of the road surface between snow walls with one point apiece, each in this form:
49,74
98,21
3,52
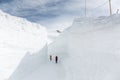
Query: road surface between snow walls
18,37
88,50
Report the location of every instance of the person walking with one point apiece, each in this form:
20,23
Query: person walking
56,59
50,57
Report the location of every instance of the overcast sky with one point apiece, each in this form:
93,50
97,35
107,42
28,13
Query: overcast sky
57,12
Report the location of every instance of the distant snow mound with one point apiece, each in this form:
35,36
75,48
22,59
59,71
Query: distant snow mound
21,33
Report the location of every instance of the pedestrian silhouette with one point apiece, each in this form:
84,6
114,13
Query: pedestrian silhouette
56,59
50,57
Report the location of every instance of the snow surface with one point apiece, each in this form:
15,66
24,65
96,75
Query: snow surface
18,37
88,50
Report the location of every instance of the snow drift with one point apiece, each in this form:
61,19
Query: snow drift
88,50
17,37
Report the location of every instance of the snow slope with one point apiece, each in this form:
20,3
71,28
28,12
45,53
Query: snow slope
17,37
88,50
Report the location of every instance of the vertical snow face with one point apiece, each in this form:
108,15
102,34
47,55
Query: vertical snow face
90,49
18,36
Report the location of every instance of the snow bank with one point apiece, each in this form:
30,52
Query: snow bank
29,64
18,36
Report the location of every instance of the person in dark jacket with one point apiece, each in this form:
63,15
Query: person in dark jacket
56,59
